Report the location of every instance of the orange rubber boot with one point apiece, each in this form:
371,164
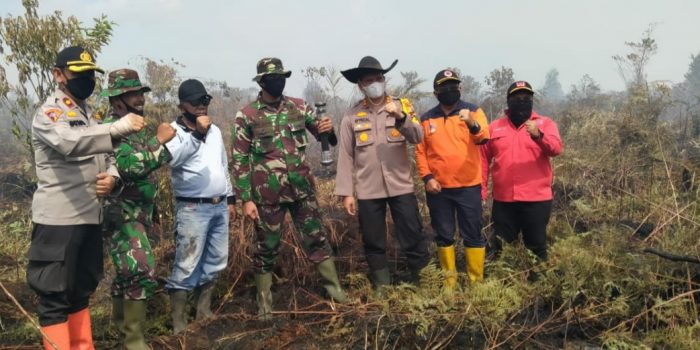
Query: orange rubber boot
80,330
59,335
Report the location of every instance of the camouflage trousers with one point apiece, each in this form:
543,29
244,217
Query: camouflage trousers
133,261
306,216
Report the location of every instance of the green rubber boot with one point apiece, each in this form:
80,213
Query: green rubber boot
263,296
327,270
203,295
178,304
134,319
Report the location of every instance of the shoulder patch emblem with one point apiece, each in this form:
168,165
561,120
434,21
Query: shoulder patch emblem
53,114
432,128
68,102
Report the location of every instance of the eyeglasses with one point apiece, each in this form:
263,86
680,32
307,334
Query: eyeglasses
202,101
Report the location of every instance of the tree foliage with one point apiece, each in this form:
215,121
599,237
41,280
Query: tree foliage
29,44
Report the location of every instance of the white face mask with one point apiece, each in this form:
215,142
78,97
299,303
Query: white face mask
374,90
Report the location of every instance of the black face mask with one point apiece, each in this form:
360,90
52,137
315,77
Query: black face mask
449,97
81,88
274,87
519,111
189,116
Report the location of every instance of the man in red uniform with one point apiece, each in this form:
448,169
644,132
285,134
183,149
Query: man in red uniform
518,157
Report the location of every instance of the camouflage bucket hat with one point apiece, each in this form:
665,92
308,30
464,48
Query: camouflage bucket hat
270,65
122,81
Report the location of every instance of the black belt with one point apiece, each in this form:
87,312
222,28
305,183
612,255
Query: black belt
215,200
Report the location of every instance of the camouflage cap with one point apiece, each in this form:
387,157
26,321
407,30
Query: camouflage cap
121,81
270,65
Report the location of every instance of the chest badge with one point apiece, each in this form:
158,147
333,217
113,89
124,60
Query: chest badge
53,114
432,128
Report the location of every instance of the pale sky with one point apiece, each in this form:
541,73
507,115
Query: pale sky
222,40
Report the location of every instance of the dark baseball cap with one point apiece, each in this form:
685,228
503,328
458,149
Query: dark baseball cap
76,59
191,90
445,75
518,86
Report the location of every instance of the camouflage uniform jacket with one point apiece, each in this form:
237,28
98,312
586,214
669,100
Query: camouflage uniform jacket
269,145
137,157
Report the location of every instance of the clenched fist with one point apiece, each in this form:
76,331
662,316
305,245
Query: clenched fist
137,122
393,110
532,128
126,125
203,124
104,184
165,133
465,116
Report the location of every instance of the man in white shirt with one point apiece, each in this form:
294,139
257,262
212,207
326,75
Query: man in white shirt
204,204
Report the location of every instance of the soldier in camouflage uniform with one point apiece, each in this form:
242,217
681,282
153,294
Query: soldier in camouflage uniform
137,157
269,163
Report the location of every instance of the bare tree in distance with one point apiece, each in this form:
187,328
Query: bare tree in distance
552,90
325,84
550,94
497,81
162,77
585,92
632,66
409,88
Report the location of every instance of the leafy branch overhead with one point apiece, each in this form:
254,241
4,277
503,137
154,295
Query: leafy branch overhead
29,44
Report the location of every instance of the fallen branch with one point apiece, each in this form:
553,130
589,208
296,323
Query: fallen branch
672,257
21,309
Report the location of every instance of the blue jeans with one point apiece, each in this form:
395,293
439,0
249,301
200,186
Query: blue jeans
201,238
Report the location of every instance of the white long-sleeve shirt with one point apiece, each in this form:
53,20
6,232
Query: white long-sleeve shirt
199,168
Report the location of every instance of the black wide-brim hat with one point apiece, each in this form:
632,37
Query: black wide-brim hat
367,65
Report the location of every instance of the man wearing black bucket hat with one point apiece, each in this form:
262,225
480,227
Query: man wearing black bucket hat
373,165
74,172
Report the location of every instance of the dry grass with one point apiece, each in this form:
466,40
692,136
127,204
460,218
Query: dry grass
617,191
